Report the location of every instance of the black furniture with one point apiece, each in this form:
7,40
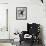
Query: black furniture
33,30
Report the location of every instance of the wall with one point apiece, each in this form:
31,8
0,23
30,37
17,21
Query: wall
3,1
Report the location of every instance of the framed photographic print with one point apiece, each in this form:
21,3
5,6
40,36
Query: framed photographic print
21,13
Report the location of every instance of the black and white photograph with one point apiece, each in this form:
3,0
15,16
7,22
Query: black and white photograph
22,22
21,13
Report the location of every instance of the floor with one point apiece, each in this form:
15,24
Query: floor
23,44
27,44
18,44
5,44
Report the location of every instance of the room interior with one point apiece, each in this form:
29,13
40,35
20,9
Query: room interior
11,26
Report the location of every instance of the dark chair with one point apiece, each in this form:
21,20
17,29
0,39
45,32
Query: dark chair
32,29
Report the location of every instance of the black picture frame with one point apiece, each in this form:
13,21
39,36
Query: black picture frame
21,13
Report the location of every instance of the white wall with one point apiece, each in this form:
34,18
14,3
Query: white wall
3,1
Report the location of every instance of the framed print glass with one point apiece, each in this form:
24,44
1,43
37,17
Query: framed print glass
21,13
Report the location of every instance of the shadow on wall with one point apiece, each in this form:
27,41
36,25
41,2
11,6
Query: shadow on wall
41,34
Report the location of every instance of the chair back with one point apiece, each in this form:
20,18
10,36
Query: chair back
33,29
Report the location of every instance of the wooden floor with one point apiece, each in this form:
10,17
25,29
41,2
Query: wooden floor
27,44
